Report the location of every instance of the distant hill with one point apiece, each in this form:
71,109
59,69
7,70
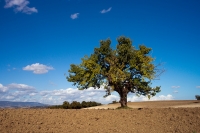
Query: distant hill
9,104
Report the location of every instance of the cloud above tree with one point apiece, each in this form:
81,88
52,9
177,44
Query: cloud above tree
38,68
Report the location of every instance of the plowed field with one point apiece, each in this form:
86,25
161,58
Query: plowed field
146,117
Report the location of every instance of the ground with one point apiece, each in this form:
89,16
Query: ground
145,117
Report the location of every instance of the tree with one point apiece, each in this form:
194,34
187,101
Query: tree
75,105
84,104
123,70
66,105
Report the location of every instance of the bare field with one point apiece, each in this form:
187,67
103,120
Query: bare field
154,104
145,117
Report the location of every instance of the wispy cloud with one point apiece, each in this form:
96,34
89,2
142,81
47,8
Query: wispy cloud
20,6
74,16
175,91
21,87
52,83
3,88
106,10
16,92
9,67
175,87
198,87
38,68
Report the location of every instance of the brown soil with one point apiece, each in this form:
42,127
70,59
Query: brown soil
154,104
146,117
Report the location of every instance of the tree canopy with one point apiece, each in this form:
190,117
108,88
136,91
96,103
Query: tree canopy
124,69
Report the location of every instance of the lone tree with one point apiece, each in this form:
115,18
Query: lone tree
123,70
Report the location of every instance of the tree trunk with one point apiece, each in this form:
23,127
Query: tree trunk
123,96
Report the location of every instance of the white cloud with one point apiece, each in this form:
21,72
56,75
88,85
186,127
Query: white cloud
9,97
91,94
20,6
16,92
175,91
3,88
74,16
155,98
70,95
175,87
106,10
22,87
33,94
198,87
38,68
22,92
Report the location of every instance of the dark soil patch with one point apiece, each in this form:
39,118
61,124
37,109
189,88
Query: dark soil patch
144,120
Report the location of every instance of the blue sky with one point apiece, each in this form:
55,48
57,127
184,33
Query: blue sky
39,39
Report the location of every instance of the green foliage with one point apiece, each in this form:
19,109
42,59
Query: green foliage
75,105
125,67
56,107
84,104
66,105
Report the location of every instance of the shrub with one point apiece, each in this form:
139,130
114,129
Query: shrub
84,104
56,107
75,105
66,105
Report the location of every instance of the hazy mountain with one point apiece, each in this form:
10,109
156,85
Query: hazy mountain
9,104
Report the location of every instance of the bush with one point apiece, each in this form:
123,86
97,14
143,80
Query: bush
56,107
75,105
84,104
66,105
